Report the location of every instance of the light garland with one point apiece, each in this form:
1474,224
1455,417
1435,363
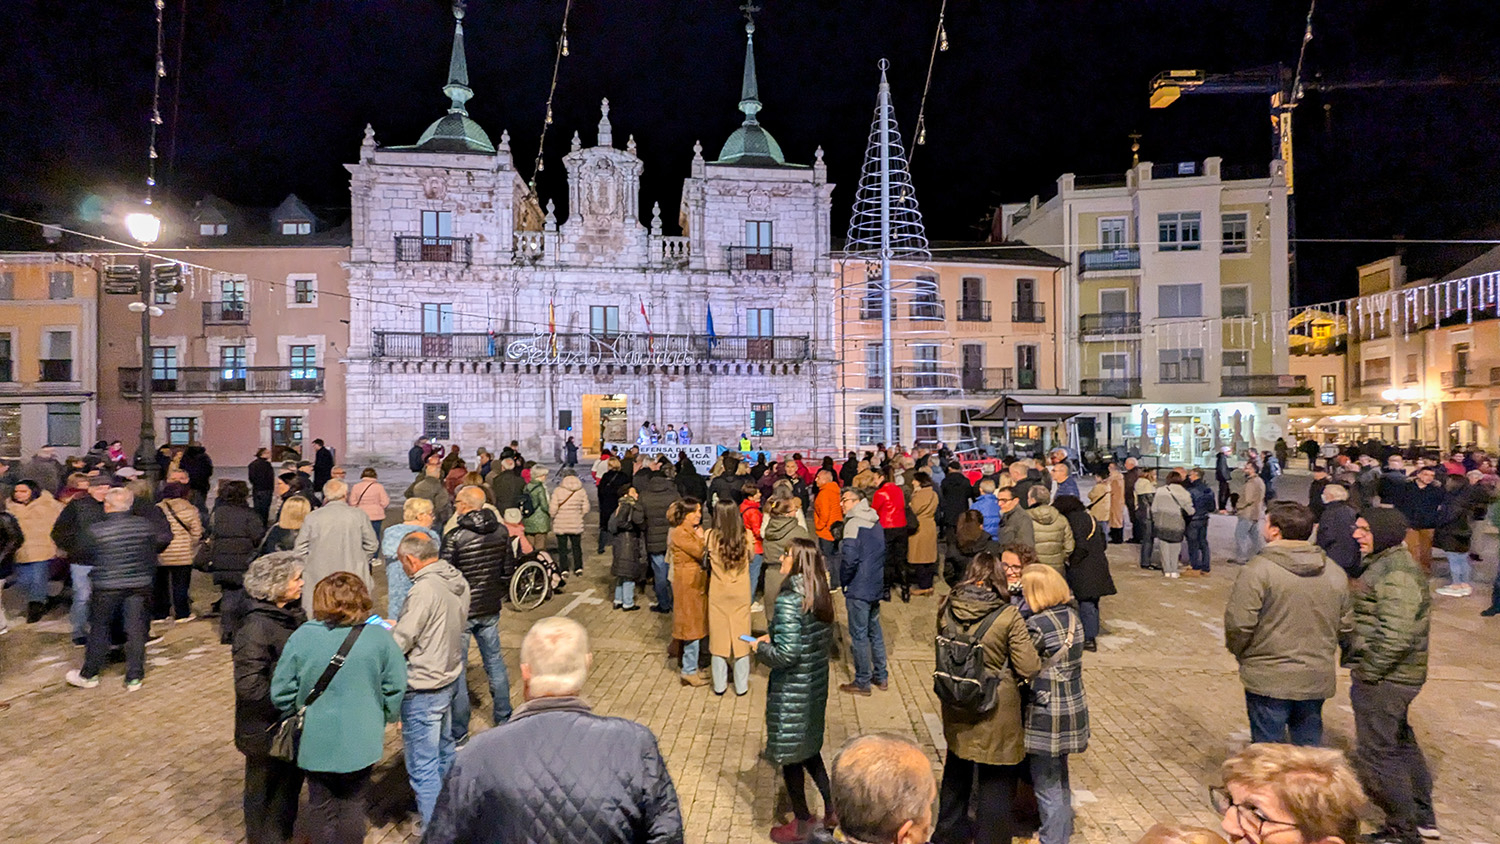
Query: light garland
161,72
562,50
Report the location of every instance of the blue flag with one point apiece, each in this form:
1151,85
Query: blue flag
713,338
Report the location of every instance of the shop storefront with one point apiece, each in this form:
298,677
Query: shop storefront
1192,434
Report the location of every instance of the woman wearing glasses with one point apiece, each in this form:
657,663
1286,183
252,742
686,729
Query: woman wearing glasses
1284,794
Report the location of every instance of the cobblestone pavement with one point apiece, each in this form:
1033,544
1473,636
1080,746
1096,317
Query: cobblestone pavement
159,765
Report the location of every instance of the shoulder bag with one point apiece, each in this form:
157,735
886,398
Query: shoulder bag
286,734
201,558
1043,697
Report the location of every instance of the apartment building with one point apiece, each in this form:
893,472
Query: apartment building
47,352
973,331
1175,303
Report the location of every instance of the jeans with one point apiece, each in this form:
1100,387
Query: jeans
376,523
663,579
32,579
1170,554
757,563
1088,612
427,741
624,593
570,546
1275,720
1054,798
169,596
397,584
103,604
271,790
1387,758
718,668
1247,540
1199,557
1459,569
336,806
867,641
78,612
690,652
1145,533
993,799
486,632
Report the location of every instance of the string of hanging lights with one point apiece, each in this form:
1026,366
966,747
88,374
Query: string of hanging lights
562,51
161,73
939,45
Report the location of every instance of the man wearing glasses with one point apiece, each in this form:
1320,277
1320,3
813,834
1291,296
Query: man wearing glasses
1016,525
1282,794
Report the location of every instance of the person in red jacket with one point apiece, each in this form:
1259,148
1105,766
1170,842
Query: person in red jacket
750,512
890,506
807,473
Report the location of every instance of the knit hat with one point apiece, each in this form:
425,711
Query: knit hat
1387,526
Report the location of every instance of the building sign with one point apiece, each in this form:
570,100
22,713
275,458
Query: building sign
762,419
703,456
544,349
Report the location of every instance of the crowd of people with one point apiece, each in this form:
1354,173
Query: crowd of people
745,547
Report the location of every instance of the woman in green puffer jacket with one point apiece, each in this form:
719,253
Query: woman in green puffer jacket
796,648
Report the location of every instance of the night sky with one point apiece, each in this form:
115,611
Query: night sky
275,94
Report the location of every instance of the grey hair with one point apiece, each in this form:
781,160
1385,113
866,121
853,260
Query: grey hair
418,545
335,490
539,473
880,781
1335,492
556,649
119,499
269,574
1039,495
986,486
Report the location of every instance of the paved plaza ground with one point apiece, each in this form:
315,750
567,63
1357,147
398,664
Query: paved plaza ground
159,765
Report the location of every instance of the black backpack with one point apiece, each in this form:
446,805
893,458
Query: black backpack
528,505
960,678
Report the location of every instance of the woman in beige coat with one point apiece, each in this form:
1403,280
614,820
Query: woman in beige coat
35,510
1116,504
730,545
922,547
689,584
174,571
568,505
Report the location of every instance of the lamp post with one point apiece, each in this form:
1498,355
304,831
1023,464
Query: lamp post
145,228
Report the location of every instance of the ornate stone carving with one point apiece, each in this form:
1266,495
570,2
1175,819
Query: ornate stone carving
434,187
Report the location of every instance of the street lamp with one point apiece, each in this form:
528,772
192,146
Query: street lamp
145,228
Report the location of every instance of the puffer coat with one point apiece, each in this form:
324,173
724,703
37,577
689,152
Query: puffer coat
258,644
797,691
568,506
187,532
1053,536
996,737
480,551
628,524
1392,610
540,520
234,534
657,492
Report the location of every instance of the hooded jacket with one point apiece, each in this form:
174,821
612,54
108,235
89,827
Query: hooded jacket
431,628
657,492
862,555
569,504
480,551
1336,537
540,520
1391,615
989,508
1287,614
36,518
1053,536
996,737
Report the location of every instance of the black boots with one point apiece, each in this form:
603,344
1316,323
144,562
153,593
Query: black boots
35,610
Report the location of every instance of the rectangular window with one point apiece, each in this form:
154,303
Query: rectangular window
7,286
303,290
1235,300
1026,367
64,424
232,363
1115,300
924,299
1413,368
10,430
871,426
437,224
758,234
1236,233
1179,300
57,360
604,320
60,284
1114,365
162,297
1328,390
1179,231
874,371
304,362
972,289
1112,233
182,430
760,322
7,360
1181,366
164,367
435,421
762,419
1236,362
437,318
296,228
925,426
231,290
1377,371
872,303
212,229
286,436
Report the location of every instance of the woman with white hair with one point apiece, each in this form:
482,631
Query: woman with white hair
273,586
1336,529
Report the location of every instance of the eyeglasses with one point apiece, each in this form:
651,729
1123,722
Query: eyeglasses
1251,819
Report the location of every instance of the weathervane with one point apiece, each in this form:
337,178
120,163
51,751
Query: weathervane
750,9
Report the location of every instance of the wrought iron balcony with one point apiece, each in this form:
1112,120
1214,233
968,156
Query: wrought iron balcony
1264,385
1107,260
230,312
1025,311
443,250
979,380
212,380
935,379
927,310
57,370
567,349
1122,322
973,310
759,257
1120,388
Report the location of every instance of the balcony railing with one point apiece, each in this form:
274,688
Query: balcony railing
443,250
1120,388
992,380
1104,260
1264,385
1465,379
1113,323
759,257
231,312
1025,311
57,370
973,310
590,349
917,379
928,310
208,380
1321,346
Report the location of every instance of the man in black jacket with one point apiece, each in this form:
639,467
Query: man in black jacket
480,550
657,493
417,455
954,496
262,482
1200,559
605,779
322,465
122,549
507,485
726,485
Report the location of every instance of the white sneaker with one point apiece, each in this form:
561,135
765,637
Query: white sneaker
76,678
1451,591
1431,833
757,607
186,619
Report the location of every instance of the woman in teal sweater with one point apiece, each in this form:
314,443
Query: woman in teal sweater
343,734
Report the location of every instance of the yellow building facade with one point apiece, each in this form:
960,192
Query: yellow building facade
48,352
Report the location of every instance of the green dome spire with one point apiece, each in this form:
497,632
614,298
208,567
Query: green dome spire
455,131
751,144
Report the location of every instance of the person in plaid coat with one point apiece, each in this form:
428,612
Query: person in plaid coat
1057,712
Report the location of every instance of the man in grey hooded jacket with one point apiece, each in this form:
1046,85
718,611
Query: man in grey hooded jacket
431,634
1288,612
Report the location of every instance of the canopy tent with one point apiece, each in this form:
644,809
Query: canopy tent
1017,412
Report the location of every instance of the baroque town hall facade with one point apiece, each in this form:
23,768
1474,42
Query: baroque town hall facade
478,317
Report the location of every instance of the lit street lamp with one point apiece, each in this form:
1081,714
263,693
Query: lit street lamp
145,228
